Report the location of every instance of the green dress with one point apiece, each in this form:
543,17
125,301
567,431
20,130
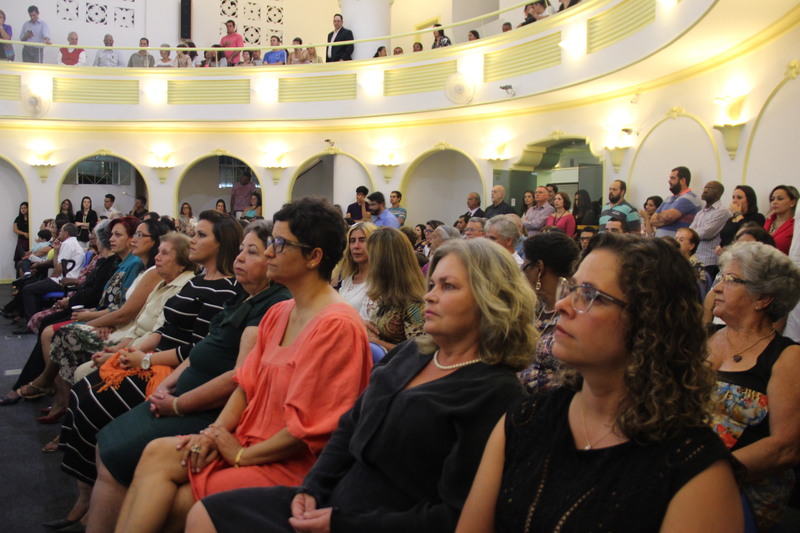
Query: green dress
122,441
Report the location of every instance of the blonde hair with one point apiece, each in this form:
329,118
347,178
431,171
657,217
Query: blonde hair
347,266
504,299
394,276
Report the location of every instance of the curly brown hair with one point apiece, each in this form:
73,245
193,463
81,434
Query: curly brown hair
668,382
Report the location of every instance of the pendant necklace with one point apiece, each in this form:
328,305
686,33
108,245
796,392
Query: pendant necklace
586,433
737,357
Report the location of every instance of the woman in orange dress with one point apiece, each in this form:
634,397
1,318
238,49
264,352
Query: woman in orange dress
310,362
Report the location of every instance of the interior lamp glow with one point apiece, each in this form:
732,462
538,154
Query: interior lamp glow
371,82
471,66
573,40
266,89
42,158
155,91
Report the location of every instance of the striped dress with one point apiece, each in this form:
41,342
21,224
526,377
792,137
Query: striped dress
187,316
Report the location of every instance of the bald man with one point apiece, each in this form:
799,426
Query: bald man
708,222
498,207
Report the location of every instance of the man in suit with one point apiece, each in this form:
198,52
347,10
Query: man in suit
474,206
342,52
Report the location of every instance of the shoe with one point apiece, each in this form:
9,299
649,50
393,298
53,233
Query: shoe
34,391
53,418
60,523
9,400
25,330
51,447
46,410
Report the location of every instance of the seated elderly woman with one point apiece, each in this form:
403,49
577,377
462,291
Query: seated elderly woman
403,458
392,310
625,444
438,237
310,362
549,258
758,370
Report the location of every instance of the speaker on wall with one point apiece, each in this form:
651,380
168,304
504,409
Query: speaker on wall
186,19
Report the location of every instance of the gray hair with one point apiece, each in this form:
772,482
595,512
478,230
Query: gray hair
262,229
479,220
70,229
769,272
447,233
506,228
103,234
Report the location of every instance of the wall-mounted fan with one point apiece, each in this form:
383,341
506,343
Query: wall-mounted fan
33,104
459,89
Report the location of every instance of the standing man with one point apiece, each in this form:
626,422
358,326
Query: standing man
678,210
231,40
275,57
356,212
109,211
498,207
240,195
619,207
72,55
396,210
536,216
474,206
708,222
142,59
380,215
139,208
341,52
34,31
108,57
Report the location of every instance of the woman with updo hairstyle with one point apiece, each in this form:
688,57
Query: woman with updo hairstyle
549,258
744,207
650,206
403,458
625,443
309,364
758,370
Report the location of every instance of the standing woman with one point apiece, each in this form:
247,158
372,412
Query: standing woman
780,224
309,364
22,229
65,214
392,309
625,444
550,258
744,206
6,33
582,210
646,213
439,38
562,218
527,205
86,220
353,269
757,373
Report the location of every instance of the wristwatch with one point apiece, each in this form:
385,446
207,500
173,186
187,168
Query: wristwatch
145,364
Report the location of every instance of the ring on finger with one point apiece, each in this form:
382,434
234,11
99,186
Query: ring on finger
195,449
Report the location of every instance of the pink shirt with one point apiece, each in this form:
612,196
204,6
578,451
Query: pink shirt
565,222
232,40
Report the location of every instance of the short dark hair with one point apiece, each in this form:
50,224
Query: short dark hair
146,40
156,229
555,250
377,197
549,185
153,215
621,220
316,223
622,185
683,174
45,234
362,190
231,21
338,15
33,9
228,233
506,24
657,200
399,194
143,199
589,229
298,39
694,237
111,197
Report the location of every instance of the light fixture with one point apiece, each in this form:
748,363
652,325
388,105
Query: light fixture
160,156
574,41
275,165
617,155
42,159
371,82
730,137
155,91
388,170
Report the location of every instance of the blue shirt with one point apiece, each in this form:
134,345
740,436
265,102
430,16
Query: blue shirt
275,56
386,218
687,203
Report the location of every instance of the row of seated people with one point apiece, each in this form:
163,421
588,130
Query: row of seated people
295,403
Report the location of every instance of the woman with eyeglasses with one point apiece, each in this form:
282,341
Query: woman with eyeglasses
624,444
549,259
758,370
310,362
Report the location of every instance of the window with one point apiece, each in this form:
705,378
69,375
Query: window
101,170
231,170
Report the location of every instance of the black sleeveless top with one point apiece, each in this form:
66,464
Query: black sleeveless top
549,485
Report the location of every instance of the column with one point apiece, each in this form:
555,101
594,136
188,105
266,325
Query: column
368,18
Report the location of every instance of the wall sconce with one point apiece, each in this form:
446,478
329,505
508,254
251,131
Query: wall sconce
732,106
730,137
275,166
160,162
617,155
42,161
388,170
497,162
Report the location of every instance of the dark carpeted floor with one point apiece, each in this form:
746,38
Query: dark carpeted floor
33,489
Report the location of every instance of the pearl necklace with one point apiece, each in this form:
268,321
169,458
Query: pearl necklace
451,367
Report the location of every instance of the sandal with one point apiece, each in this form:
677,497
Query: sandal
9,400
32,392
52,447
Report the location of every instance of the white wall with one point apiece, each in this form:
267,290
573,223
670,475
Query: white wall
14,193
317,181
407,14
347,175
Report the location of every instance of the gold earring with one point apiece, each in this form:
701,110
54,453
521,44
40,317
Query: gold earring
538,282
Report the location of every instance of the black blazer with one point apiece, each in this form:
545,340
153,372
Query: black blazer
342,52
478,213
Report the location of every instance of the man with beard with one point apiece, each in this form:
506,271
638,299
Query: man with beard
376,203
618,207
678,210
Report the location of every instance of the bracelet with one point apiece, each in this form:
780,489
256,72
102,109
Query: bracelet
175,407
238,458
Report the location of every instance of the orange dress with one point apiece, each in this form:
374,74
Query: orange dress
304,387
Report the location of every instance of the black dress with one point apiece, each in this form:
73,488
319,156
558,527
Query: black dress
402,460
730,228
23,243
91,219
549,485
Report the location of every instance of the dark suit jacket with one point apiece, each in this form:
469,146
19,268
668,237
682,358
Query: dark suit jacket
478,213
501,209
342,52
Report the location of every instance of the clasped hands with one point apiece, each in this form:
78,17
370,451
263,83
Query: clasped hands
306,518
198,451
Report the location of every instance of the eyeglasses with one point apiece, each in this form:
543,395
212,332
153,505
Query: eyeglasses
584,295
428,230
139,235
730,278
526,266
278,243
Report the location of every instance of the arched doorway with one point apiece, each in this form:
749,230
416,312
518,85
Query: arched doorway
15,191
99,174
332,174
210,178
436,185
